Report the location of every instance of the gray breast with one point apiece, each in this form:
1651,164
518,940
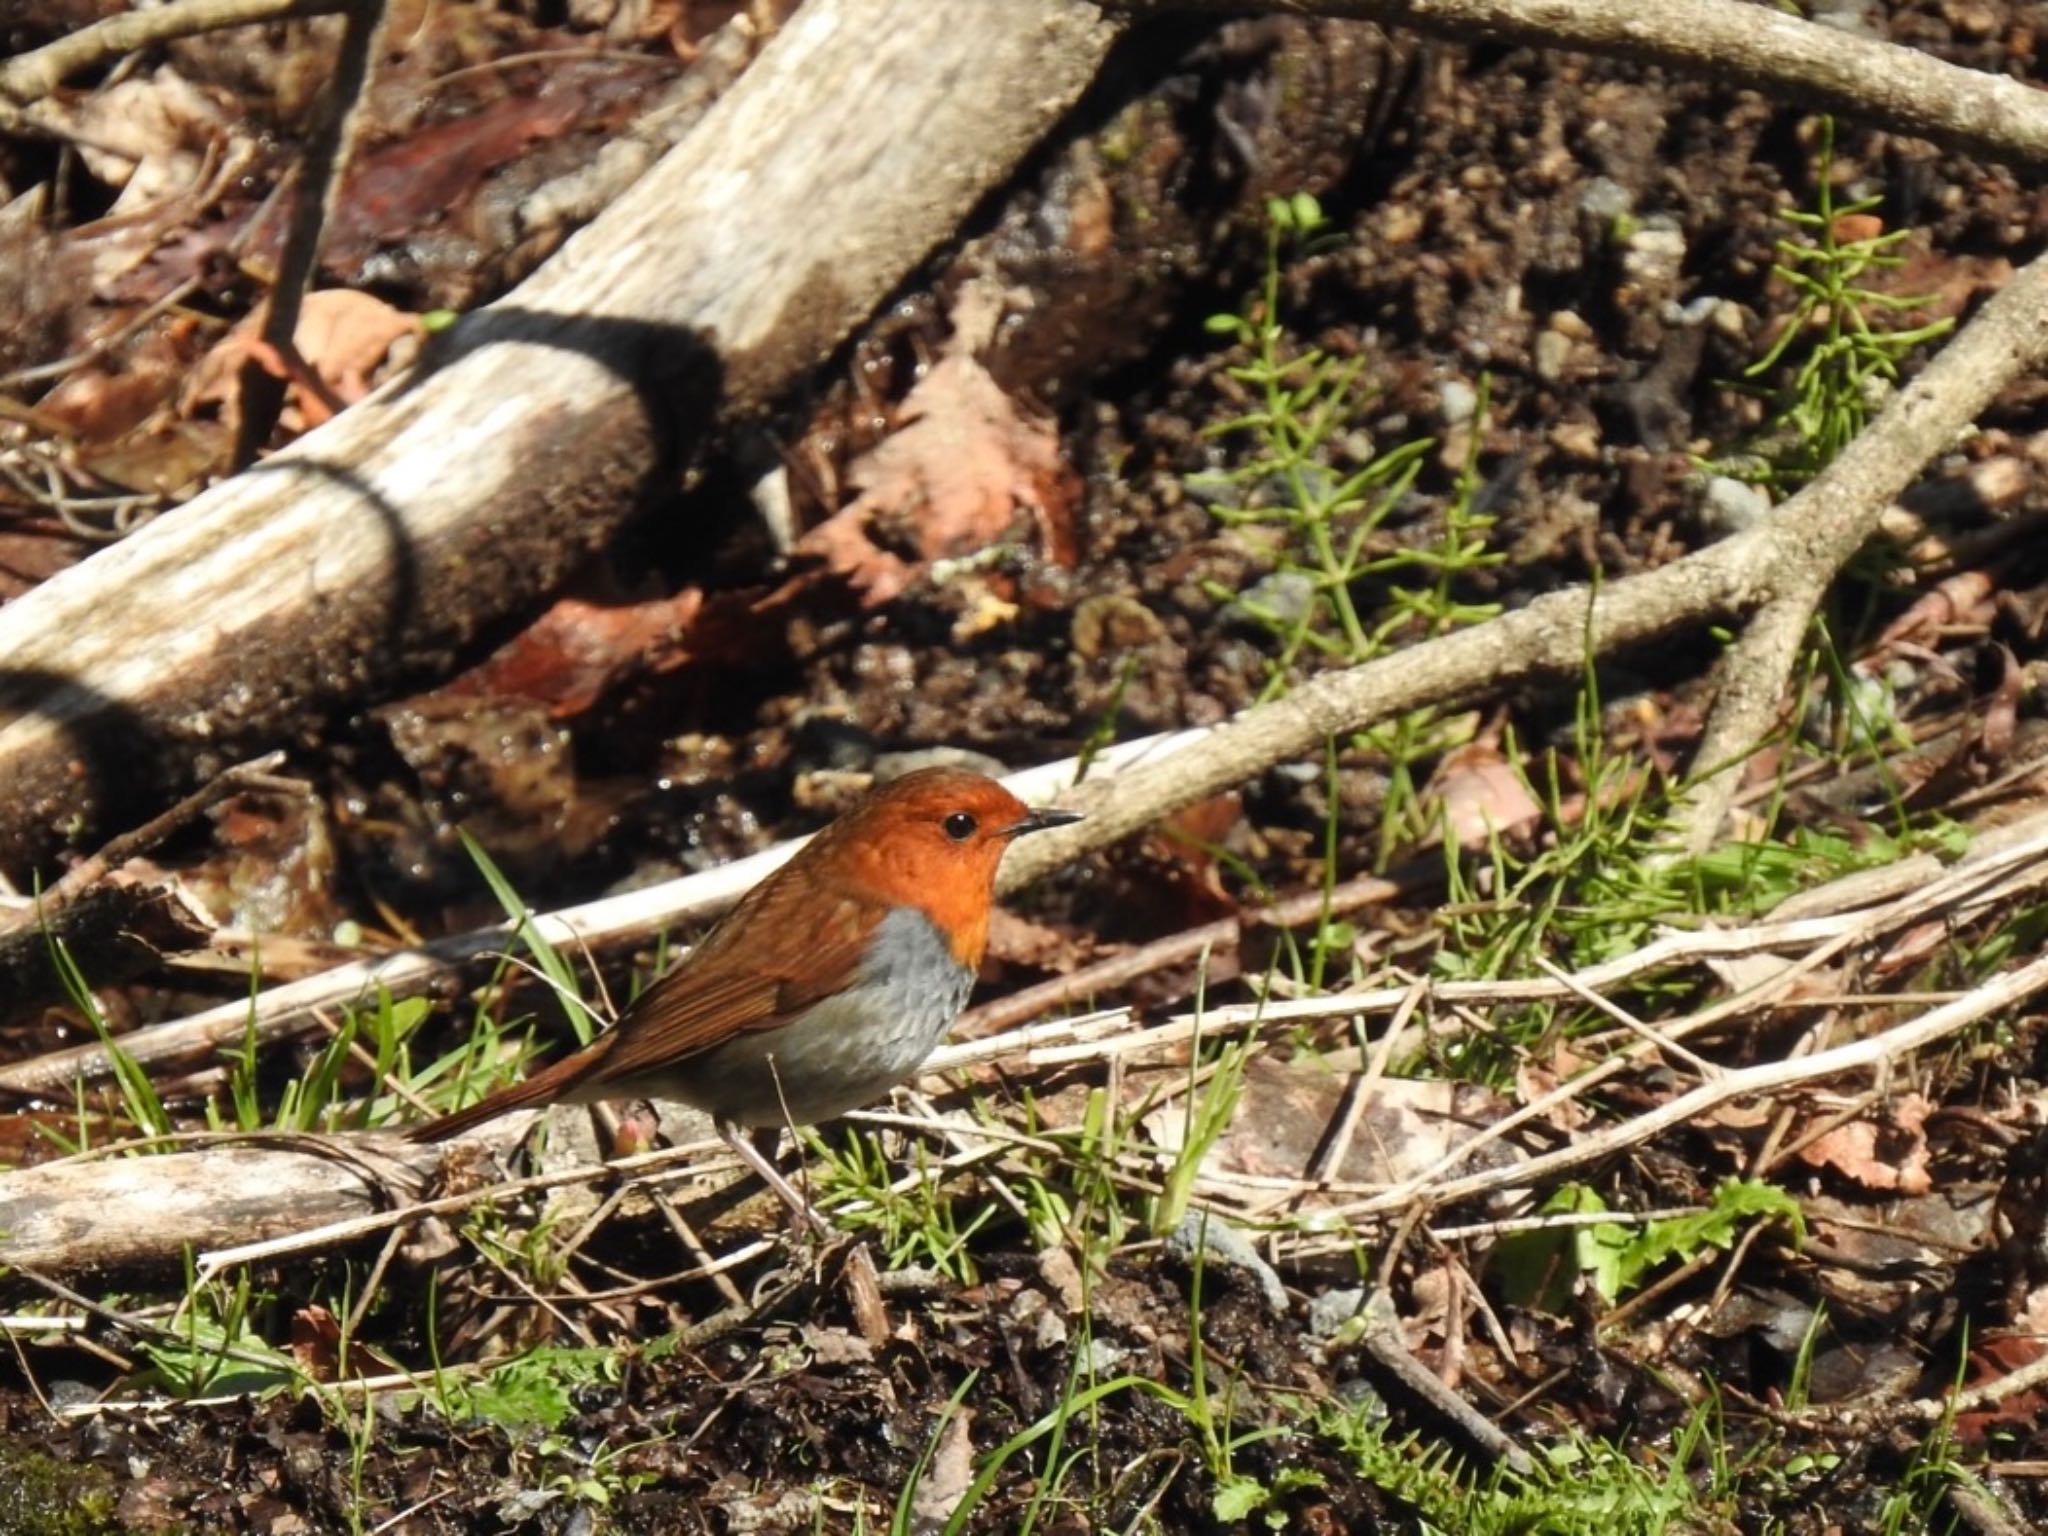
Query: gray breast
845,1051
911,959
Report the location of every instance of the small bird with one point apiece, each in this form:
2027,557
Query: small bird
827,985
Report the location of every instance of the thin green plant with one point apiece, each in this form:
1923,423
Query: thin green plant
485,1058
1327,530
1916,1500
139,1098
1540,1267
914,1218
1208,1111
1580,1486
212,1346
1847,353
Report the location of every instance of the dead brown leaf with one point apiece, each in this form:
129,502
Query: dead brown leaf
591,643
952,479
1890,1156
1480,795
152,136
1965,597
344,340
316,1342
948,1474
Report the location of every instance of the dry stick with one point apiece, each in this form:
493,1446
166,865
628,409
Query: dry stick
1750,698
1766,1077
27,76
313,198
1114,972
1743,44
257,773
1806,538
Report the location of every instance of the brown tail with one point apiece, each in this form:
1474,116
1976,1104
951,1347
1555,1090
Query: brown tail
547,1086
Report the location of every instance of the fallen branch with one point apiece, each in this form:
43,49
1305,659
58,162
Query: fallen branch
1786,57
121,1214
27,76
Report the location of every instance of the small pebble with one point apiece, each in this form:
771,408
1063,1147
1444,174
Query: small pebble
1553,351
1283,598
1099,1357
1222,1246
1606,199
1332,1311
1732,506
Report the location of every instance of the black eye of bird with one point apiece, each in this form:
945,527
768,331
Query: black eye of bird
960,826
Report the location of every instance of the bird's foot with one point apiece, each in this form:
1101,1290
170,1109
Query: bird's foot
805,1218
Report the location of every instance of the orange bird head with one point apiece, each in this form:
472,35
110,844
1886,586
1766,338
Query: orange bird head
930,840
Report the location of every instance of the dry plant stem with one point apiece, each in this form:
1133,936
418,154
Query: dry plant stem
1752,45
254,774
1875,1052
1789,557
318,184
1384,1345
27,76
1114,972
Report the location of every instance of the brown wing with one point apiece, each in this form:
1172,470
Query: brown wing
789,959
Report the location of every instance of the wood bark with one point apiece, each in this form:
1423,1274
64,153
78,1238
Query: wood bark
121,1215
375,549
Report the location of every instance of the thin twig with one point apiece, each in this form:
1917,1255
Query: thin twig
313,197
1785,57
1113,973
28,76
257,773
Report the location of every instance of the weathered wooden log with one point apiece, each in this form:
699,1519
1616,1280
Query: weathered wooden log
125,1215
373,550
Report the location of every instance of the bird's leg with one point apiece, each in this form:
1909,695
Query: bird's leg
764,1165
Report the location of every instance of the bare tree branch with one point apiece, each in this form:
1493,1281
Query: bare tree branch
29,76
1822,68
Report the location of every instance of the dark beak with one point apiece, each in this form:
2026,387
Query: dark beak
1038,821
